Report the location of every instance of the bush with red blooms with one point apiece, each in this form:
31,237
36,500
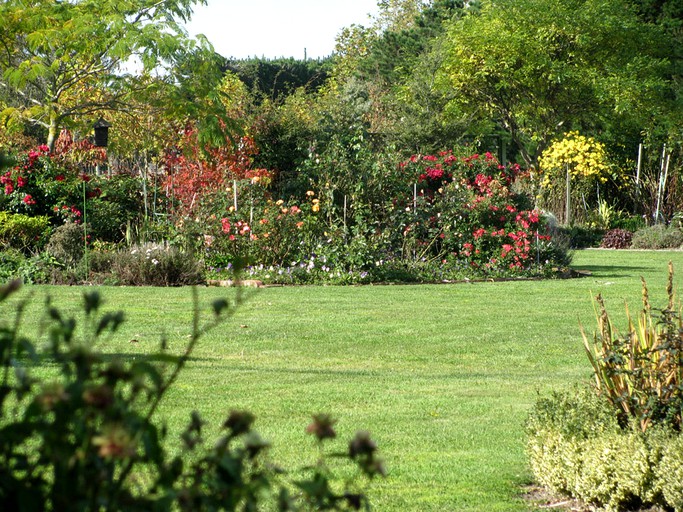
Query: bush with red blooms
466,214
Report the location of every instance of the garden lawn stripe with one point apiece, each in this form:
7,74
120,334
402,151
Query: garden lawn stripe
443,376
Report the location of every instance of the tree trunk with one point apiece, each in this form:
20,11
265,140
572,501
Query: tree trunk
52,131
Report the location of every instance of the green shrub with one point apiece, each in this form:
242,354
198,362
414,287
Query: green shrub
632,223
641,372
23,232
156,265
67,244
669,472
580,237
619,445
87,437
30,269
658,237
577,447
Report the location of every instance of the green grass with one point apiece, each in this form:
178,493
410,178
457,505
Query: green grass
442,376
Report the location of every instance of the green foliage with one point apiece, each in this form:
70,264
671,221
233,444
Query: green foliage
641,372
156,265
658,236
87,436
669,471
67,244
275,79
38,268
579,237
23,232
62,61
577,447
541,67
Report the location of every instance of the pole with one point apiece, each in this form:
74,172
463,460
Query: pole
415,198
85,234
234,190
660,188
567,212
640,160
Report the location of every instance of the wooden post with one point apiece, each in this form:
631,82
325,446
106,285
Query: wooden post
234,193
415,198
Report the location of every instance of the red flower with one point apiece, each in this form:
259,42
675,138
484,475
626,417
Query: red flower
85,177
9,189
434,173
59,177
225,225
21,181
28,199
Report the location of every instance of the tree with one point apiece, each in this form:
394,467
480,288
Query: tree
539,68
63,62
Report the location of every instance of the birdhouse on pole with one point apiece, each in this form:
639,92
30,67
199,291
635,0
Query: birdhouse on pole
101,133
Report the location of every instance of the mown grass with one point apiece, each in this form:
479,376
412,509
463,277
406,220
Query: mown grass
442,376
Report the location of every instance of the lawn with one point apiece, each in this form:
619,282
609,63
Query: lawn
441,375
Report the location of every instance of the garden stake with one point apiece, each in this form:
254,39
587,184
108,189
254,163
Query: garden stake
85,234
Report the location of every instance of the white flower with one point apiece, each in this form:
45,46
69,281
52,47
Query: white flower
155,261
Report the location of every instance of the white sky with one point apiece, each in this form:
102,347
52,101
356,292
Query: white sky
277,28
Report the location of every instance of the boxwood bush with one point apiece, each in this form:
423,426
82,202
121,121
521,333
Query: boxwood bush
618,444
577,447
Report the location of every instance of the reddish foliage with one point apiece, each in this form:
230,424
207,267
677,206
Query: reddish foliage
193,172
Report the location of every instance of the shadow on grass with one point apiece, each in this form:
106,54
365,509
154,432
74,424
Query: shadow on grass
47,360
614,271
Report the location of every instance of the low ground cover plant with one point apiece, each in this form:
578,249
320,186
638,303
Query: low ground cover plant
658,236
87,436
618,444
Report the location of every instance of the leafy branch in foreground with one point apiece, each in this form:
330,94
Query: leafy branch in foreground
87,438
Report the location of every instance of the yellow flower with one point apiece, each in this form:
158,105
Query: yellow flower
310,193
316,208
279,202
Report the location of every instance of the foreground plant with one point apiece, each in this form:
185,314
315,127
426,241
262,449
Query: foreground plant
87,437
641,372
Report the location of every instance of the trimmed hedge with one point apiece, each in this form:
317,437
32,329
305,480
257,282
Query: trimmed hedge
576,447
19,231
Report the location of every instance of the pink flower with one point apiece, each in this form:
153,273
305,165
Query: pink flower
9,189
225,225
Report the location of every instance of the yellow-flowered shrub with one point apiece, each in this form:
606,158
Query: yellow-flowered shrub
585,158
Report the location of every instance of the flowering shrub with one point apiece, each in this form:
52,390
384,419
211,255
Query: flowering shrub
54,185
469,215
576,161
442,218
